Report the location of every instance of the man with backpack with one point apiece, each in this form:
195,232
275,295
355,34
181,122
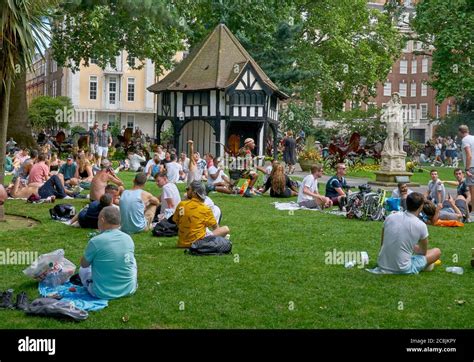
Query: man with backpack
193,217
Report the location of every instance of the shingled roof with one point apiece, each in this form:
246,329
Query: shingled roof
210,65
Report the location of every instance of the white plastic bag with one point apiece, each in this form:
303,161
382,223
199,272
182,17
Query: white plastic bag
53,269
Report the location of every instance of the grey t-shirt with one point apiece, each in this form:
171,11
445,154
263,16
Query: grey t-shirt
433,188
468,141
402,231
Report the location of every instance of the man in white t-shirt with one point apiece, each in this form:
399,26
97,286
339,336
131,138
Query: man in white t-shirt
170,197
216,178
173,169
436,191
404,247
308,194
467,147
135,161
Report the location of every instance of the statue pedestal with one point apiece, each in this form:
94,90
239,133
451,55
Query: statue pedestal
392,171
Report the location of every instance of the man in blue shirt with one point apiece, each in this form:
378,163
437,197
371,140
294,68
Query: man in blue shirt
68,171
108,267
336,185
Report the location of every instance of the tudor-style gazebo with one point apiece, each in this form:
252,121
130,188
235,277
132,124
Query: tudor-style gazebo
216,92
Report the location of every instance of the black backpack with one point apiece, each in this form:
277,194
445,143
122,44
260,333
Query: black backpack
165,228
210,245
62,212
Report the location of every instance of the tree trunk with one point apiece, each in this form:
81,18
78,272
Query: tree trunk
19,127
4,102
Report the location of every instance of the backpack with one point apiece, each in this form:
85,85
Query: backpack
62,212
165,228
210,245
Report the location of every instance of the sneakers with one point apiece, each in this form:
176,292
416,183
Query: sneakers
22,302
7,300
247,193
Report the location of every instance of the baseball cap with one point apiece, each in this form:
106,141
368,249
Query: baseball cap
248,140
70,157
198,189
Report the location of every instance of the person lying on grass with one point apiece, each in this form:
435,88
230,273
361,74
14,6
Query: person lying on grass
52,188
137,206
461,187
279,183
404,246
108,267
193,217
450,209
308,194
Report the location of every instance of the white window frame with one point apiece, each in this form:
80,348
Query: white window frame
114,92
130,82
111,123
93,61
414,66
438,111
449,109
413,89
403,66
423,110
424,89
133,122
387,89
54,91
424,65
91,81
413,107
404,112
402,89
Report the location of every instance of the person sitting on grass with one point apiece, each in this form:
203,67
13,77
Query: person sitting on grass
436,190
217,179
170,197
136,160
3,195
88,217
39,173
308,194
401,192
102,178
8,163
137,206
108,267
404,246
68,170
193,217
336,185
461,187
173,169
152,167
279,184
84,170
450,209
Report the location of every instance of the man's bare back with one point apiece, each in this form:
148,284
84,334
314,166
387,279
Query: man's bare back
100,181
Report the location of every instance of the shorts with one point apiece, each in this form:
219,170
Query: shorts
418,264
93,149
310,204
335,200
102,151
470,180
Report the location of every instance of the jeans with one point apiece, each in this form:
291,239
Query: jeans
52,187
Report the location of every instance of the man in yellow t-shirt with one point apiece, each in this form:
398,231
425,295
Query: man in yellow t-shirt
193,217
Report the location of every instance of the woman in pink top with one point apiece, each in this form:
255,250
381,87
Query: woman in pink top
39,172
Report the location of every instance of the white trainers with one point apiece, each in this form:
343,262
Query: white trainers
430,267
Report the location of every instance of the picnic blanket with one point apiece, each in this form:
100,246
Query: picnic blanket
80,298
292,205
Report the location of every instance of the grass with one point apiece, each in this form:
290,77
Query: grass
276,278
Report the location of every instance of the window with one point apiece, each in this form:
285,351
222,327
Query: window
54,91
112,90
54,66
166,98
130,89
406,48
93,61
414,64
402,89
130,121
130,61
355,105
93,87
111,120
404,112
424,89
273,101
413,115
438,111
424,65
448,109
424,111
387,89
196,99
403,66
413,90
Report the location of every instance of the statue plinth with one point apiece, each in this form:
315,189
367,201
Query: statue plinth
392,162
392,171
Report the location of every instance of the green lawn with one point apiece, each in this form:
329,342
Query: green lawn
276,277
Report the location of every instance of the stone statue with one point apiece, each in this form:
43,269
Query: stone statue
392,116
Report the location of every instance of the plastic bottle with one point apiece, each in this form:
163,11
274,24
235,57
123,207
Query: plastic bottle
350,264
455,270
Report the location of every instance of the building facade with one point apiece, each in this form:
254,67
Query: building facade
218,95
35,79
409,76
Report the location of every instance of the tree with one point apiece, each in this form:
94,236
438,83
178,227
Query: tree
23,32
446,30
49,112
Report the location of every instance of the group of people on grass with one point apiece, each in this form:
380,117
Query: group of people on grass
108,266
